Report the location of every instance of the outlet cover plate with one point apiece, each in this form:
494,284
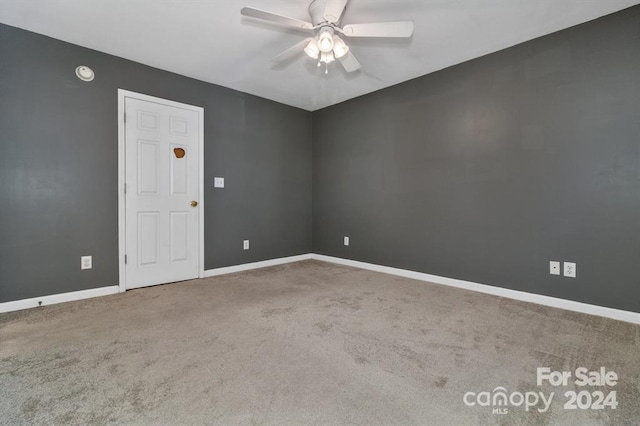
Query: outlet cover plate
554,267
245,244
218,182
86,262
569,269
346,241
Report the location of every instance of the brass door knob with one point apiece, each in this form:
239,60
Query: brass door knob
194,203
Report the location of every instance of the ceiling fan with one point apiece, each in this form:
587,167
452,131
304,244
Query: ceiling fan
325,45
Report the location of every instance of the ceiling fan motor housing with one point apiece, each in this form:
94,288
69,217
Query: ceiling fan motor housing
316,12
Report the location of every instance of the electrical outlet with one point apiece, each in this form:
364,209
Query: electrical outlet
554,268
245,244
86,262
218,182
569,269
346,241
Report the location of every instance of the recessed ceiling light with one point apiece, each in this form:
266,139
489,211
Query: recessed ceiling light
85,73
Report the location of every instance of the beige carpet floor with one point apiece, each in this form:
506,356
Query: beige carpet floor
306,343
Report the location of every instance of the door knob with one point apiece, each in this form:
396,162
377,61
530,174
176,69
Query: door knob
194,203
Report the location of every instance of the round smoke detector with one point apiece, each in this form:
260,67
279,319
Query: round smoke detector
85,73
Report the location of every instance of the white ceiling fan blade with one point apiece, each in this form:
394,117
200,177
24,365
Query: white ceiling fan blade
400,29
278,19
291,52
333,10
349,62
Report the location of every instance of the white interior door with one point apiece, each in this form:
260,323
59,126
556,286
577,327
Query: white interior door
161,193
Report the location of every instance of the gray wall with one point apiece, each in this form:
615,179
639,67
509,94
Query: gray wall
488,170
58,168
484,171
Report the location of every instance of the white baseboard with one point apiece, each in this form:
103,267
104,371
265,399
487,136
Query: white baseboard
570,305
34,302
255,265
585,308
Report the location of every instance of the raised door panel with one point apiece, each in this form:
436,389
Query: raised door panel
148,167
148,238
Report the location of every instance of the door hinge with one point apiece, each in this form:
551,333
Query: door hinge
125,259
125,188
125,117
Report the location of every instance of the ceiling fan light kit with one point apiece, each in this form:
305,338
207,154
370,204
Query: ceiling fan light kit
325,45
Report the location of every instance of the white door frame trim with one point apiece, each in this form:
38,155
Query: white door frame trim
122,94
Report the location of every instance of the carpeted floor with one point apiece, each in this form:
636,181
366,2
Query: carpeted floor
307,343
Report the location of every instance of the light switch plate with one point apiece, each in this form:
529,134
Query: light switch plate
346,241
245,244
218,182
554,268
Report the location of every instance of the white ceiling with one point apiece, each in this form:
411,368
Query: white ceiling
210,41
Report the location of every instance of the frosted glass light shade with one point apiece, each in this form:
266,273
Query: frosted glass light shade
312,49
340,48
325,42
